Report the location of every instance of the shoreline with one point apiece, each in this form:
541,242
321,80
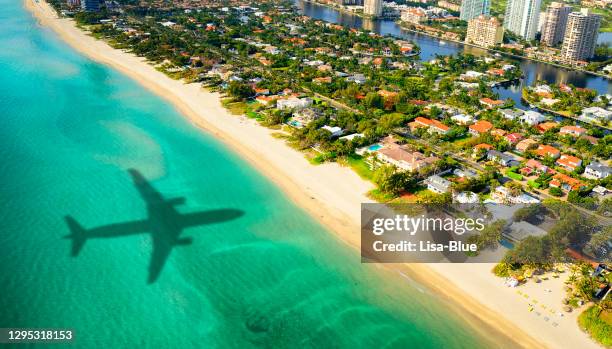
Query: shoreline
330,193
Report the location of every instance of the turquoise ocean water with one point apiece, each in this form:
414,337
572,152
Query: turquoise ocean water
69,130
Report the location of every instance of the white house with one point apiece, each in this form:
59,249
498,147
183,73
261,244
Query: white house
466,197
293,103
532,118
542,89
335,130
438,184
596,114
596,170
511,114
462,119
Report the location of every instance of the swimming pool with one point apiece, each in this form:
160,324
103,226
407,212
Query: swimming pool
375,147
507,244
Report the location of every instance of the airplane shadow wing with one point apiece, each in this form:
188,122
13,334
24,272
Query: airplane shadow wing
162,246
209,217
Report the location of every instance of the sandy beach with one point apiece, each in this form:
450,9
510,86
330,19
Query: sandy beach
332,194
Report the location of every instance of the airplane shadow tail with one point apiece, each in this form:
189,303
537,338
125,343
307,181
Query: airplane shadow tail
78,235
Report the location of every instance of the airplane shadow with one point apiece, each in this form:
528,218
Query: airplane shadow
164,223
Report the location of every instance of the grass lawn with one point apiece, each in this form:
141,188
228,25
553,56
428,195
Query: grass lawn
236,108
377,195
599,326
358,164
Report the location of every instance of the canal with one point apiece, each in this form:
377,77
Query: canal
430,46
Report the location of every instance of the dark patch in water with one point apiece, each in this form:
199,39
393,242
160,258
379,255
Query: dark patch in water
258,324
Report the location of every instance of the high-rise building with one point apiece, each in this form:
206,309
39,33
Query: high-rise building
580,35
90,5
484,31
474,8
522,17
553,28
372,8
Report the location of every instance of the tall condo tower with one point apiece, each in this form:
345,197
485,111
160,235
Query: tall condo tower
580,35
372,8
522,17
474,8
553,28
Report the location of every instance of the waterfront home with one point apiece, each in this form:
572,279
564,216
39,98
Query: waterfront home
438,184
467,85
491,103
543,90
266,100
596,114
511,114
566,182
404,159
549,102
462,119
293,103
574,131
334,130
532,118
480,126
471,75
545,150
466,197
303,117
414,15
597,170
525,144
504,159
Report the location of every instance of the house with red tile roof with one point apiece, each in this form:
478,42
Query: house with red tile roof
569,162
491,103
545,150
514,138
533,165
525,144
545,126
433,125
498,132
480,126
484,146
566,182
574,131
404,159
